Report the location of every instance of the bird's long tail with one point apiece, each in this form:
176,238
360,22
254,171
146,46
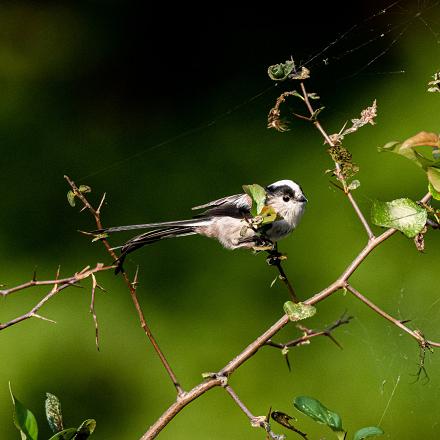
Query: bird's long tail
149,238
164,230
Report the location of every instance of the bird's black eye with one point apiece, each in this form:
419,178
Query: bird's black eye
286,198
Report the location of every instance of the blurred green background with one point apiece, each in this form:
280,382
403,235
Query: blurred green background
99,90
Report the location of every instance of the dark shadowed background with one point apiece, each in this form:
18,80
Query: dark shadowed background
164,108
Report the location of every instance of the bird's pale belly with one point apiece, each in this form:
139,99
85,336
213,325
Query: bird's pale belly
235,233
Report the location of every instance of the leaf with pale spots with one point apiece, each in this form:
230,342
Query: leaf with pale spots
401,214
71,198
369,431
84,189
53,413
355,184
298,311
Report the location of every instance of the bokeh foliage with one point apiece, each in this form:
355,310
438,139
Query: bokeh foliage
87,86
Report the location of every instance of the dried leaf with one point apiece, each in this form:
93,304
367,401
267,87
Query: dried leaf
419,241
274,119
435,84
344,158
71,198
367,117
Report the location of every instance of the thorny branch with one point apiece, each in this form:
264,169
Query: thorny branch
340,283
339,175
58,286
132,285
274,259
312,333
256,421
309,334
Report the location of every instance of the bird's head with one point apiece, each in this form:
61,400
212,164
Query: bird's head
288,200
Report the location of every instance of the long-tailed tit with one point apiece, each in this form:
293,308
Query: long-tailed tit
228,221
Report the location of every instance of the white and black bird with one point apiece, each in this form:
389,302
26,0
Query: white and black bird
226,219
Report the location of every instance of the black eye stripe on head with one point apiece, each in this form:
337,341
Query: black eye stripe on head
283,189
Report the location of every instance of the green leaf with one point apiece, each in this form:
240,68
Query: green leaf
318,412
434,177
280,72
396,147
402,214
435,194
71,198
86,429
354,184
268,214
24,420
84,189
67,434
258,196
298,311
53,413
407,150
369,431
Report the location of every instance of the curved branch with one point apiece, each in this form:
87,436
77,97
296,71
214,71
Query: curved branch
132,285
416,334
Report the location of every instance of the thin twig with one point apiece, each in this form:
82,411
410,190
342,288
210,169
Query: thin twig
93,311
310,333
274,259
58,286
328,140
416,334
242,406
33,283
256,421
131,285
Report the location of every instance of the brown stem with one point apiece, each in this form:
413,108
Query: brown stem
275,260
360,215
58,286
240,404
309,334
414,333
33,283
131,286
328,140
182,401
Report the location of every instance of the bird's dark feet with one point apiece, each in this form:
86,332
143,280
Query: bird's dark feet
263,244
274,256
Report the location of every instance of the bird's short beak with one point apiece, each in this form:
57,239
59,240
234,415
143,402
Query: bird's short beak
302,198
